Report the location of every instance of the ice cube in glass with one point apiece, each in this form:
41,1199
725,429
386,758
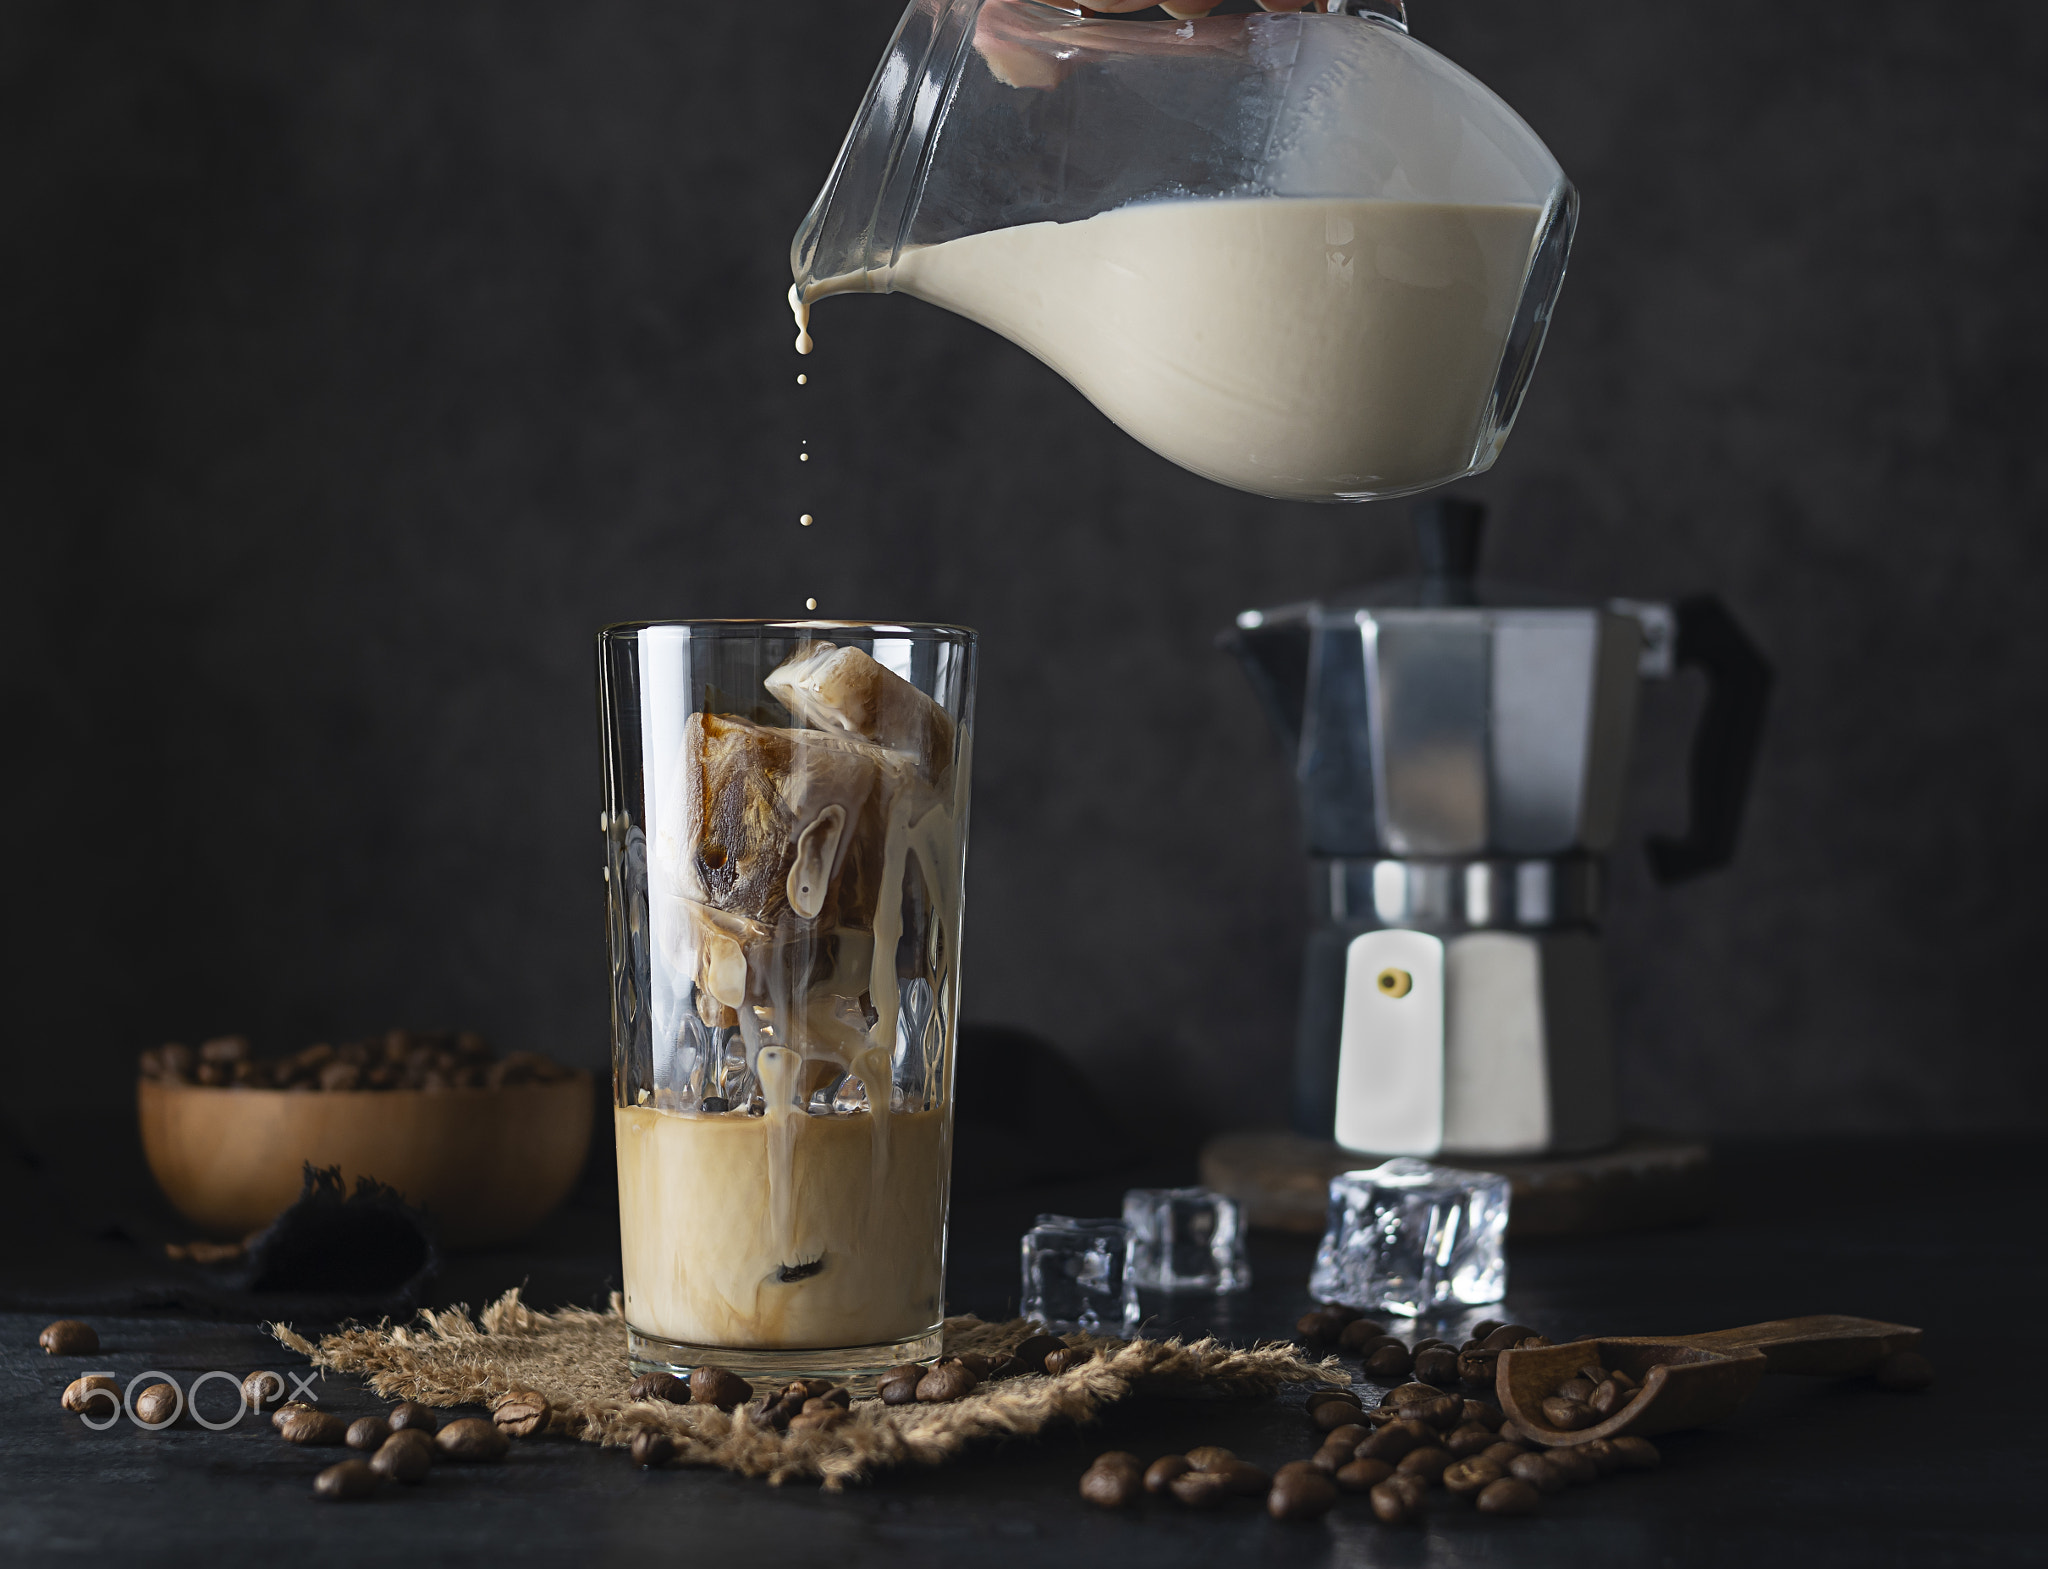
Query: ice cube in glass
1077,1275
1186,1239
1411,1237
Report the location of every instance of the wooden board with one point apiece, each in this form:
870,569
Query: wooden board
1648,1179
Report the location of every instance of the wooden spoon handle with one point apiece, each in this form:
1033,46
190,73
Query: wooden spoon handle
1826,1345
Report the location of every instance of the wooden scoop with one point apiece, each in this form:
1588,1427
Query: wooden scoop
1690,1380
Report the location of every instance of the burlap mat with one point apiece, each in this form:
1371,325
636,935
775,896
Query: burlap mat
577,1359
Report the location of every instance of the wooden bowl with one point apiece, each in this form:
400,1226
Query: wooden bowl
486,1164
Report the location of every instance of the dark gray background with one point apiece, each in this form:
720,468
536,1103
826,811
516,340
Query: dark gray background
360,360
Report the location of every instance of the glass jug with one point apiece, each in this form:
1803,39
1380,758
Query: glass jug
1298,253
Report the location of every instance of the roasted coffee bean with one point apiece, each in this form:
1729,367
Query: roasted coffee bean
1160,1473
410,1414
1389,1443
798,1390
95,1395
1333,1414
1502,1451
1628,1385
262,1389
1483,1413
1429,1463
367,1433
1577,1466
1398,1500
1382,1416
1199,1489
1567,1416
1437,1365
471,1438
1515,1434
1360,1334
1443,1413
1505,1336
1471,1439
289,1412
975,1363
1509,1496
1208,1457
1902,1371
652,1449
1004,1366
1388,1362
69,1337
1032,1353
1325,1396
1300,1495
1605,1400
1329,1459
1580,1389
1469,1476
1067,1357
1362,1476
1538,1472
899,1385
1532,1341
822,1403
1601,1452
1317,1327
521,1413
1476,1369
404,1457
948,1380
349,1480
1293,1466
1635,1454
1409,1394
660,1386
771,1415
720,1387
1113,1481
1485,1327
1242,1479
313,1429
1349,1436
1342,1314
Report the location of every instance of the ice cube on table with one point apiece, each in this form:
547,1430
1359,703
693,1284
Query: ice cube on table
1410,1237
1077,1275
1186,1239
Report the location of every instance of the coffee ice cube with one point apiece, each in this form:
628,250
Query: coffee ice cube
1186,1239
846,691
1410,1237
1077,1275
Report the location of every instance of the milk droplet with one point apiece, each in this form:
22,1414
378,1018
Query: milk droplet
806,520
803,457
810,604
802,379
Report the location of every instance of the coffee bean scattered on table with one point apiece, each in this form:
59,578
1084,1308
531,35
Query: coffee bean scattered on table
1538,1472
1298,1495
405,1456
1362,1476
1067,1357
652,1449
367,1433
1470,1476
1575,1464
1398,1500
1359,1334
1114,1480
69,1337
1031,1353
351,1479
1160,1473
1635,1454
1199,1489
262,1389
411,1414
1429,1462
520,1413
95,1395
471,1439
1389,1362
1437,1365
310,1428
898,1385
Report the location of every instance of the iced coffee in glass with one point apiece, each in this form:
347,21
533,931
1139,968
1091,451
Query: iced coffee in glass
786,827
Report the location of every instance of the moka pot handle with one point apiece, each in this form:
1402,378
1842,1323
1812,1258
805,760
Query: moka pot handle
1724,746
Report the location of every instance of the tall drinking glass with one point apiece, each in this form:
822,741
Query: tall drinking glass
786,828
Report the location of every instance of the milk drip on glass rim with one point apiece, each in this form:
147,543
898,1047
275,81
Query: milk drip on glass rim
1300,254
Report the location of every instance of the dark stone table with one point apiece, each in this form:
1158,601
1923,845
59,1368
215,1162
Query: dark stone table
1944,1234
